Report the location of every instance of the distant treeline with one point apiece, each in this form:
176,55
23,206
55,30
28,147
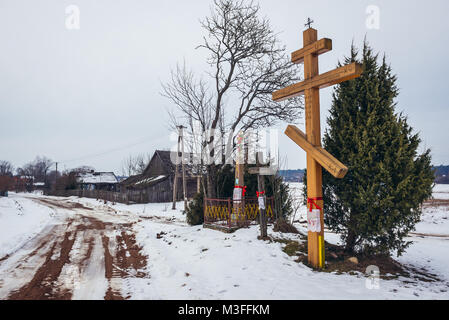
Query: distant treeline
292,175
441,174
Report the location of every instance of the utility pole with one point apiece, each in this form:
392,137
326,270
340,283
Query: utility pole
56,176
175,182
184,182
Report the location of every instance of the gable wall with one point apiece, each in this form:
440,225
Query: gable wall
155,167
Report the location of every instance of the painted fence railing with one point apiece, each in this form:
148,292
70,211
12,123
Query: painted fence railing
228,215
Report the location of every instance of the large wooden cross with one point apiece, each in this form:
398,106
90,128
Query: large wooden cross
317,157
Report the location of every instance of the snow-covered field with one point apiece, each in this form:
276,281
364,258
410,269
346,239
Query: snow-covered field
20,220
190,262
441,191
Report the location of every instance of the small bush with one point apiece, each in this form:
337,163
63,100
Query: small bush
195,210
291,248
283,226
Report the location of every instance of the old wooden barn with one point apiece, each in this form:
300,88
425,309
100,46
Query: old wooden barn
155,184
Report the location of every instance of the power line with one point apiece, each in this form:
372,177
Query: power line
123,147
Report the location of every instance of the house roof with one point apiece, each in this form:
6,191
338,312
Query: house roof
165,158
97,178
147,178
167,163
142,181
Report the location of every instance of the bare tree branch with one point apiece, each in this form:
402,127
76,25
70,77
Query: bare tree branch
247,63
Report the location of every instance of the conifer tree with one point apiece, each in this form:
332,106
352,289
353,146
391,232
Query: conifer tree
379,201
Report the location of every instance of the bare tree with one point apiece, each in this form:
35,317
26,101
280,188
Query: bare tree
37,168
6,168
133,165
247,63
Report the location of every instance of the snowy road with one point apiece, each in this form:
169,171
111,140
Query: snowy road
82,254
79,248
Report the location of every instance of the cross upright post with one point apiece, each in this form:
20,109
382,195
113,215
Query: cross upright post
317,157
313,133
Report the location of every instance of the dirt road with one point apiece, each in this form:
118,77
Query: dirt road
88,253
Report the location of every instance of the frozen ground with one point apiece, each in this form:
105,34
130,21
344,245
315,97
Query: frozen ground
71,248
441,191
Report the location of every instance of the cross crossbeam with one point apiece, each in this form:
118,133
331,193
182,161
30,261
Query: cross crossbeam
321,81
316,48
324,158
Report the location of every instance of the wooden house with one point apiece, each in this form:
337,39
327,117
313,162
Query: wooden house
155,184
106,181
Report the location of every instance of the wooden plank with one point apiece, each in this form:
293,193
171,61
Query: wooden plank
321,81
324,158
254,170
316,48
263,171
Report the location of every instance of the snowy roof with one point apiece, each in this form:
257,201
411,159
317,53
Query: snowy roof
96,177
151,179
143,181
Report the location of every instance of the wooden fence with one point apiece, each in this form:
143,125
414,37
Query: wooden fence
128,197
224,215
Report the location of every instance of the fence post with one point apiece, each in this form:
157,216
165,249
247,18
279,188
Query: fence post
229,213
204,209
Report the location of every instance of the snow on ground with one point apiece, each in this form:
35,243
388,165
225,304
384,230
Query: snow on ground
441,191
197,263
434,220
430,239
20,220
190,262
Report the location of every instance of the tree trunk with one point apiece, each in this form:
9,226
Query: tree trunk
212,181
350,241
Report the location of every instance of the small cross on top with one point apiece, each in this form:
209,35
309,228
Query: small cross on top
309,23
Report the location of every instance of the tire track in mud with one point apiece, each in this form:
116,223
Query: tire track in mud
111,294
41,286
67,250
126,262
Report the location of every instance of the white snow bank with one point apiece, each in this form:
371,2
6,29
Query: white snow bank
155,210
197,263
20,220
441,191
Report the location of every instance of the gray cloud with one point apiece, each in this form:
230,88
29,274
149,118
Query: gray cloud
69,94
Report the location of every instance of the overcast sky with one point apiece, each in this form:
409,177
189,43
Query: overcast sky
92,96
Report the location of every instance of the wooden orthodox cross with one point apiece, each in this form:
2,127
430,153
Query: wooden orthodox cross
239,188
317,157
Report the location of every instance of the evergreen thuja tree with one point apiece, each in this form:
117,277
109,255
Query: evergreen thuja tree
379,201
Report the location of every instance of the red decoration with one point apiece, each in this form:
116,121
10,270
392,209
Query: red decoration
311,202
243,190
